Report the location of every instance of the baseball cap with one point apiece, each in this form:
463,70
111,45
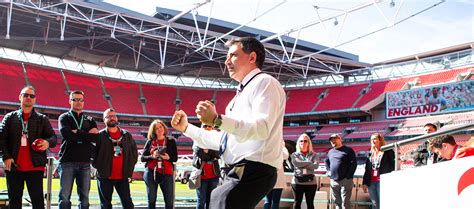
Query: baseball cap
334,136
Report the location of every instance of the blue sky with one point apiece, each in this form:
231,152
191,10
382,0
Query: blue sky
448,24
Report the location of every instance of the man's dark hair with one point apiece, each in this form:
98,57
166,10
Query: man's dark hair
28,87
76,92
432,126
249,45
437,142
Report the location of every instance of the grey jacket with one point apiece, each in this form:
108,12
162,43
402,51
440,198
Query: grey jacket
304,165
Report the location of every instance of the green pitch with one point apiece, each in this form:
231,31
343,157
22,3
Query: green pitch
138,189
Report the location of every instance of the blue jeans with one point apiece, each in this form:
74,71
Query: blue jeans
204,192
68,171
166,184
272,200
106,188
374,193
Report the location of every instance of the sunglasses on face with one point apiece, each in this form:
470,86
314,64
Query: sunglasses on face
304,141
77,99
110,116
32,96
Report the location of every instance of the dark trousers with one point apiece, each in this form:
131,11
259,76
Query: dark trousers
308,190
34,183
152,181
204,192
272,200
106,188
244,186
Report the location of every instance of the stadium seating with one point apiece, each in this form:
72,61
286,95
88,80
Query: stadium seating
160,99
12,80
49,86
340,97
125,96
190,98
93,92
375,90
222,99
302,100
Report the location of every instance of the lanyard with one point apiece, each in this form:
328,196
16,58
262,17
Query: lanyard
375,159
158,144
79,125
24,125
116,143
114,140
241,88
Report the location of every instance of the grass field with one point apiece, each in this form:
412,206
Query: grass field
138,189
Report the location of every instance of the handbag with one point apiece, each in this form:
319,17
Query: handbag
305,178
195,179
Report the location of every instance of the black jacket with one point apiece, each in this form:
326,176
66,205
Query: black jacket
105,153
199,156
387,165
38,127
421,155
76,147
171,149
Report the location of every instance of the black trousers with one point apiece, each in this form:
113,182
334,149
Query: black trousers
34,183
244,186
309,191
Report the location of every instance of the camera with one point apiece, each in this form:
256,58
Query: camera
161,150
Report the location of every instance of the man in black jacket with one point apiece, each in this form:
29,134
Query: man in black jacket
422,155
24,137
115,159
79,133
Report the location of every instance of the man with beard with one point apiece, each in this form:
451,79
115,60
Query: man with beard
116,156
24,137
79,133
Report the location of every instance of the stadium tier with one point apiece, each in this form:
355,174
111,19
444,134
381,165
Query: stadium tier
50,81
126,97
159,100
92,87
340,97
302,100
147,99
222,99
189,98
11,77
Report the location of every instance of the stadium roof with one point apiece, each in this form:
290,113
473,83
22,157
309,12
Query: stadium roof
107,35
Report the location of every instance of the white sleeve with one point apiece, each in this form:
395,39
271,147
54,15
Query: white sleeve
204,139
268,104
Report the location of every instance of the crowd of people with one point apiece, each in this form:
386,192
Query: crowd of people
235,152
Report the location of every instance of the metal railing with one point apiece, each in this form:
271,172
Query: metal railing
396,145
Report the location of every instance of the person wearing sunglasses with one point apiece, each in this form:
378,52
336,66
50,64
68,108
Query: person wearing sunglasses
79,133
305,161
115,157
341,164
25,135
